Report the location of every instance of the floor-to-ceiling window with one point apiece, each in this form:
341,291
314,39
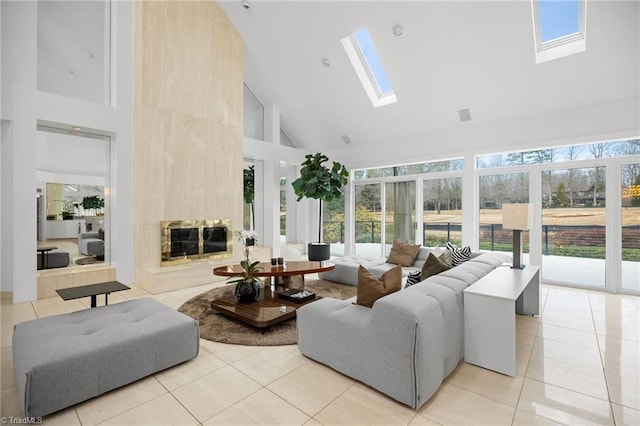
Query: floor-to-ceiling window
442,211
414,203
574,220
333,226
368,219
495,190
567,187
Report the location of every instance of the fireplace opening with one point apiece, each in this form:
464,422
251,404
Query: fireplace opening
214,239
185,241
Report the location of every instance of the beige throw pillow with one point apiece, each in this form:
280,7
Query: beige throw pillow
371,288
434,265
403,254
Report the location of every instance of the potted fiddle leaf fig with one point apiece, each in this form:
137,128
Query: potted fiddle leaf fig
322,183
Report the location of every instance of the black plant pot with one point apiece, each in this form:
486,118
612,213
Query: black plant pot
319,251
248,291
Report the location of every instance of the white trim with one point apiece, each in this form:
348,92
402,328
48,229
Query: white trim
110,54
613,227
365,76
563,46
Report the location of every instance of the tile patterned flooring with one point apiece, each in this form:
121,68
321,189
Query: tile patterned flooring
578,363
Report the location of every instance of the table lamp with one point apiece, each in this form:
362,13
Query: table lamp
516,217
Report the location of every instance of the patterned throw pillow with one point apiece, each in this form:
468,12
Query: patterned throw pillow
459,255
413,278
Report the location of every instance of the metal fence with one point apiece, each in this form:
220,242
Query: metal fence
493,234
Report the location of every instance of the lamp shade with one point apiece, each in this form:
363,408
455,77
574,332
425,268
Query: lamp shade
516,216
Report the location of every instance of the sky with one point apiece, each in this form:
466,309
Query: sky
558,18
375,64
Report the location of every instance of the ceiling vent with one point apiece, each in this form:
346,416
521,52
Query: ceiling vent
464,114
346,139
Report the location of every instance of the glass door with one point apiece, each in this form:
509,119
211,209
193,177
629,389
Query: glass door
573,226
442,211
631,227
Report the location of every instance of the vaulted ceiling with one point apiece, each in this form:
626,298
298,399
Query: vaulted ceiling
452,55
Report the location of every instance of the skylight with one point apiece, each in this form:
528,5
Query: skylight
368,66
559,28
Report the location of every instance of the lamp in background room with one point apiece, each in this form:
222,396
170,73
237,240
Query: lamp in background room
516,217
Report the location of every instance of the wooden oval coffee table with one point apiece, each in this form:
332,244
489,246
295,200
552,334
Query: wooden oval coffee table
269,309
290,268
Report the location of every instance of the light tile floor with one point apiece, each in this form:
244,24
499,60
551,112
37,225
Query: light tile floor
578,363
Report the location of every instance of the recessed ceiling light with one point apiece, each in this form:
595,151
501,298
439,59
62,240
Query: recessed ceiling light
76,129
326,62
397,30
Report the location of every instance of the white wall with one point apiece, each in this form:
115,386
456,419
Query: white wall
71,154
23,106
253,115
600,122
68,64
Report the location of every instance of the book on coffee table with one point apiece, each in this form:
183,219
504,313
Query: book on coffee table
296,295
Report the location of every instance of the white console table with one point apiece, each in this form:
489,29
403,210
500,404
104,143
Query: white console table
490,305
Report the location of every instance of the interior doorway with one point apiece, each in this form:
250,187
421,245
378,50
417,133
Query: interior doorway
72,174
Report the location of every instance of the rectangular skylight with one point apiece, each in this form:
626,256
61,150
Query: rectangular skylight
558,19
368,66
559,28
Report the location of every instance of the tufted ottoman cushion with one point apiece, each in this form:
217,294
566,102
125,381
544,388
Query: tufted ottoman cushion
65,359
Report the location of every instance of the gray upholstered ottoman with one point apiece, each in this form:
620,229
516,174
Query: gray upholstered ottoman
65,359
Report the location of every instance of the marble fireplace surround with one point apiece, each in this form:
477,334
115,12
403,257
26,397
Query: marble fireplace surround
188,121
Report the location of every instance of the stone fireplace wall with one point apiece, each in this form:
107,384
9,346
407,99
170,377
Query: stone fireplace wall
188,76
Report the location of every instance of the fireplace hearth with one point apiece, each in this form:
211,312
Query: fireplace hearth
184,241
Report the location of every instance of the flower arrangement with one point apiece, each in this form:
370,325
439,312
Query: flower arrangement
247,239
248,284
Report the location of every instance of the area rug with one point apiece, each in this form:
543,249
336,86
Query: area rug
219,328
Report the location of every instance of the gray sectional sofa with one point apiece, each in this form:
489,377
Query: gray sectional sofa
407,343
346,270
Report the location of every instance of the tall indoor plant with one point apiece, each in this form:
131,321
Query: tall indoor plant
249,197
249,193
322,183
